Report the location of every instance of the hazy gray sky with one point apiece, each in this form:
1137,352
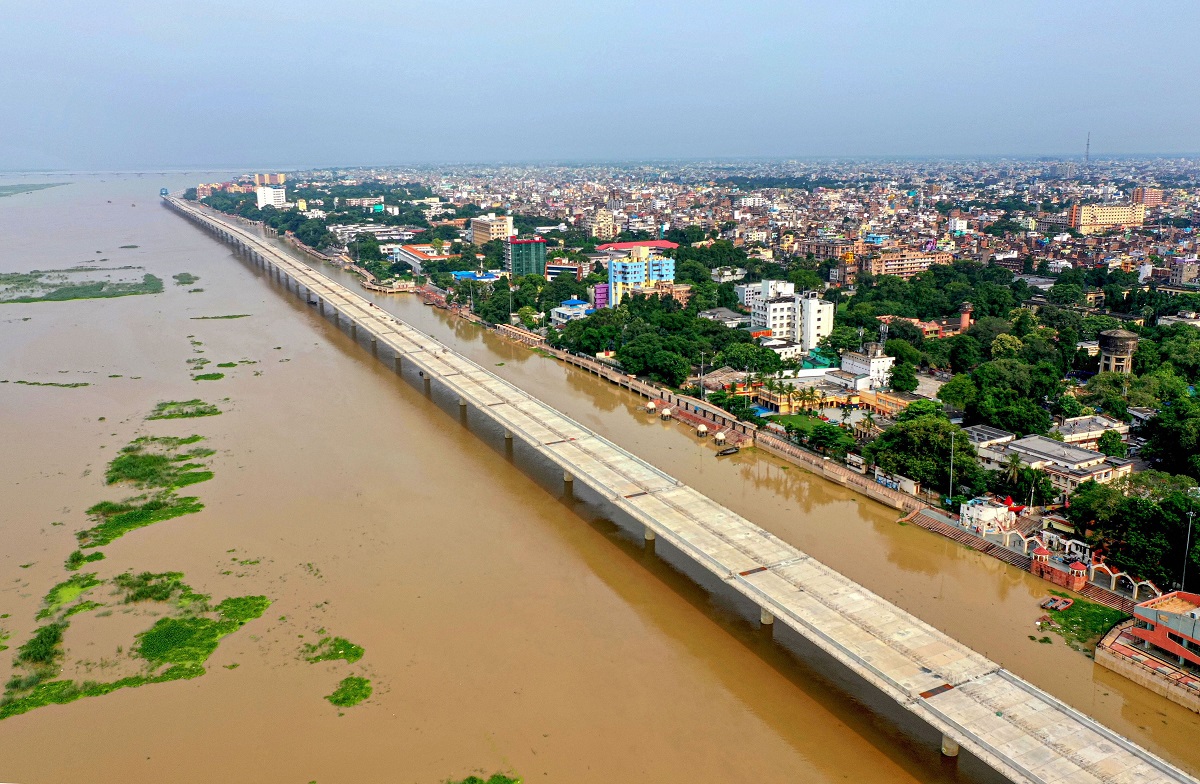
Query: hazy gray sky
134,83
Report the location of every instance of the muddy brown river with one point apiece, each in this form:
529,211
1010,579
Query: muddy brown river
507,627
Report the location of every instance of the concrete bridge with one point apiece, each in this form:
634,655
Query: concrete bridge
1012,726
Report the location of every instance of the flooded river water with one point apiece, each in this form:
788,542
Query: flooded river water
506,627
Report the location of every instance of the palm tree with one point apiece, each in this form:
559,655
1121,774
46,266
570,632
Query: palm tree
1012,469
868,419
845,414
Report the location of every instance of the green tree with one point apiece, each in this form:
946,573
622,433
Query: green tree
1110,443
959,392
903,378
920,450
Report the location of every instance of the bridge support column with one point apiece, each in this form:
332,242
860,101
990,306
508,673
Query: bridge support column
649,534
399,363
462,402
321,305
428,386
568,478
374,346
765,617
949,746
354,329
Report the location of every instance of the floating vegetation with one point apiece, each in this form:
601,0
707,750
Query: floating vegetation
76,283
44,647
77,559
195,291
331,649
227,364
114,520
192,640
151,463
184,279
13,190
183,409
166,587
495,778
4,635
172,649
81,607
74,385
350,692
208,377
213,318
66,592
127,247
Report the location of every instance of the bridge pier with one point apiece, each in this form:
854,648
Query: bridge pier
649,534
508,436
399,362
949,746
321,305
568,478
765,617
354,329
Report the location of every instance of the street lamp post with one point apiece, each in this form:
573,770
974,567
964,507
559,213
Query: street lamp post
1187,551
952,435
702,355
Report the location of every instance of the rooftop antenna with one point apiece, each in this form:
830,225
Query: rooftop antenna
1087,151
860,338
883,330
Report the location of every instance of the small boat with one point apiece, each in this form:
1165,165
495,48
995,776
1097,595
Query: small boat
1063,604
729,450
1048,603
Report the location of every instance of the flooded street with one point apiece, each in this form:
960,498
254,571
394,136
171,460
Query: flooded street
506,627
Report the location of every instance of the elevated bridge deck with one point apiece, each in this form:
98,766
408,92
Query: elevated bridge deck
1019,730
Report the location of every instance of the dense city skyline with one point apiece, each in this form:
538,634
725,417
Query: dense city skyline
306,84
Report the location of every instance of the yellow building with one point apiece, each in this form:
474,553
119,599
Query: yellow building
1096,218
904,263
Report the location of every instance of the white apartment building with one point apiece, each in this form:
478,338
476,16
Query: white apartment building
816,320
957,224
270,197
802,318
864,370
749,293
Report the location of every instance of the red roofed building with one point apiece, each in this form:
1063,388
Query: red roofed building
656,244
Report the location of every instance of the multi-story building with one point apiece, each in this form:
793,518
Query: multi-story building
1151,197
1169,628
524,256
490,227
270,179
365,201
904,262
270,197
863,370
1095,218
556,267
750,293
1184,271
815,322
600,224
642,270
822,249
957,225
570,310
803,319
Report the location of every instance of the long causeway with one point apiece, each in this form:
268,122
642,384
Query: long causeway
1019,730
